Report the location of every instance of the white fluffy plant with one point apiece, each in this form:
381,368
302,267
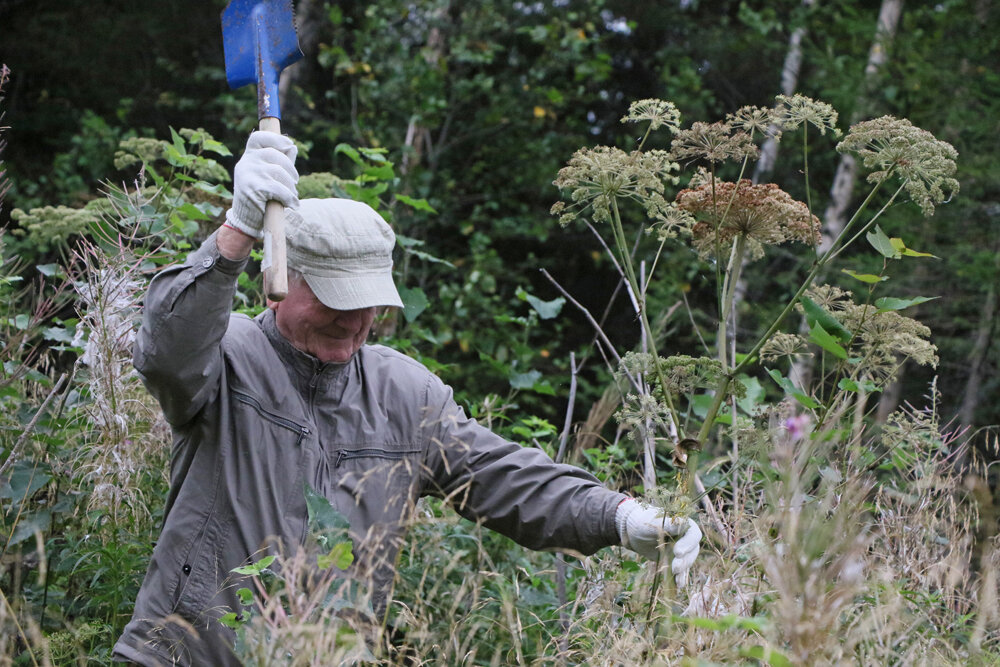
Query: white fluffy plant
126,436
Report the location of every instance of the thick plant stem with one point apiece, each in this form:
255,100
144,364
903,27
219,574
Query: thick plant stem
728,294
620,242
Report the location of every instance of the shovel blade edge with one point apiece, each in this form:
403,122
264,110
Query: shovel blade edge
259,40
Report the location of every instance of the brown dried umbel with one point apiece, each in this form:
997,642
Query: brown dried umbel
764,214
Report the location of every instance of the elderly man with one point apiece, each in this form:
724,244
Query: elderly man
261,408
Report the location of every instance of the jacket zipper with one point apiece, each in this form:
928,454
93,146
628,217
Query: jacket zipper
271,417
344,454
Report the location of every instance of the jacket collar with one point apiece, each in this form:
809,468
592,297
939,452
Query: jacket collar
304,368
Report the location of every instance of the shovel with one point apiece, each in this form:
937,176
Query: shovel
259,40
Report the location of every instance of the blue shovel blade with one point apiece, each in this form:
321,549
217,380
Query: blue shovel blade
259,40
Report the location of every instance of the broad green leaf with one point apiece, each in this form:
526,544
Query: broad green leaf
888,303
192,212
820,336
792,390
231,620
350,152
545,309
325,522
254,569
414,302
50,270
26,526
374,154
525,380
216,147
419,204
847,384
752,397
815,313
341,556
246,596
23,479
382,172
869,278
878,239
59,334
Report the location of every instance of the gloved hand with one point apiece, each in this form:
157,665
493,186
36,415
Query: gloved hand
642,529
265,172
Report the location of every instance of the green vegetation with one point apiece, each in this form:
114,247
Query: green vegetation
685,323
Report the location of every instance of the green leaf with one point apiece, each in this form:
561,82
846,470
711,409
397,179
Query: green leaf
254,569
419,204
882,243
414,302
59,334
326,524
246,596
193,212
888,303
27,524
792,390
816,314
898,244
341,556
869,278
767,655
376,155
25,477
847,384
50,270
378,173
350,152
819,336
753,396
545,309
231,620
525,380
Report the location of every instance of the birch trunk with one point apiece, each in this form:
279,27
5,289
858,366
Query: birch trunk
984,335
842,190
789,84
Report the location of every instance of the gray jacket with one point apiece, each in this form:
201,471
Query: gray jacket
254,420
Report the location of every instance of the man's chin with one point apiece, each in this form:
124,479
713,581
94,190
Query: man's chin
336,355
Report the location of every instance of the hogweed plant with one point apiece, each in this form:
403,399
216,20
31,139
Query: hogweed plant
861,341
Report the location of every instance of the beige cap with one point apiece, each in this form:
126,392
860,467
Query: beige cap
343,248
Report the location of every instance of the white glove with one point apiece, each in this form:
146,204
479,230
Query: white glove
642,529
265,172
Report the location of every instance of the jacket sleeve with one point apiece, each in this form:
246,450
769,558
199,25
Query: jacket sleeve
517,491
177,351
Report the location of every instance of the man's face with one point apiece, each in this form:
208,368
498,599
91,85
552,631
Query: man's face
325,333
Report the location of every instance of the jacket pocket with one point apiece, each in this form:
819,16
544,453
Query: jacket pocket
378,480
274,448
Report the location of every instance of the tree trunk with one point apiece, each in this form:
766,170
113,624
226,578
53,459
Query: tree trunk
309,17
984,335
842,190
789,84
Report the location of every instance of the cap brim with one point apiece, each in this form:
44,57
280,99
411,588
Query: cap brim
358,291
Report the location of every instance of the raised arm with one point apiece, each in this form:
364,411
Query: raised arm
187,307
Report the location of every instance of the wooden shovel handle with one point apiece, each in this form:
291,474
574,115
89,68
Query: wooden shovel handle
275,264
